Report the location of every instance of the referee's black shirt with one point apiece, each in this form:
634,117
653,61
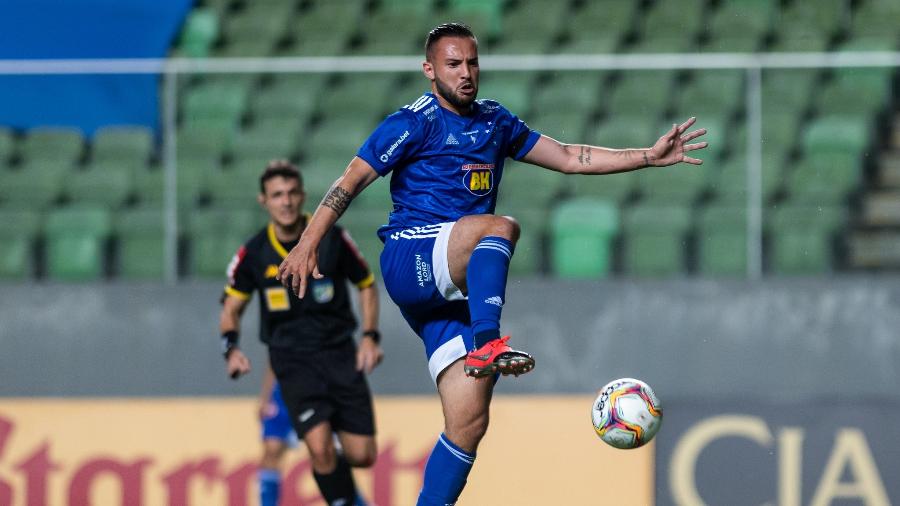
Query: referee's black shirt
324,317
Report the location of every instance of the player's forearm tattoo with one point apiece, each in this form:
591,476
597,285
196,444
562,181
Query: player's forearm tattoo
646,161
584,157
337,199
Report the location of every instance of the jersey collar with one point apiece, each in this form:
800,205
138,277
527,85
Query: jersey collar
273,239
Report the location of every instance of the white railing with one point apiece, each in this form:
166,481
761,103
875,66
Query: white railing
752,63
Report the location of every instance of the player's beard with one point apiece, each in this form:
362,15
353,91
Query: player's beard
461,103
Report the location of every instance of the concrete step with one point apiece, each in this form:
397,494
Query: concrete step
881,208
878,249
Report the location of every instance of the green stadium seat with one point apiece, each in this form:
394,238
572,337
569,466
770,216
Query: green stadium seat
341,136
317,31
617,19
644,93
581,233
7,146
868,42
876,17
122,143
264,22
837,134
110,189
214,102
526,183
204,143
376,198
854,91
625,131
404,38
801,238
236,187
200,31
571,127
484,16
52,143
717,93
614,188
681,184
735,42
722,240
529,257
363,226
570,92
320,172
357,95
729,182
266,139
18,231
250,47
215,235
149,186
655,240
662,44
514,90
807,26
140,238
752,17
37,184
527,33
787,91
673,20
827,178
75,240
292,96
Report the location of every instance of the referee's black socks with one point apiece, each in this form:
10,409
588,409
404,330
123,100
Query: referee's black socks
337,484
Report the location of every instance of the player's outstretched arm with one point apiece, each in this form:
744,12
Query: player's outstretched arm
302,260
584,159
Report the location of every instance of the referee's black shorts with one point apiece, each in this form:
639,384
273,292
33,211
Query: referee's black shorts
324,385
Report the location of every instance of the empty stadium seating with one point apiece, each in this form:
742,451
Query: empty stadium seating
819,128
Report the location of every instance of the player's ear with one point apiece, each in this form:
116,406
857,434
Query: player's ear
261,198
428,70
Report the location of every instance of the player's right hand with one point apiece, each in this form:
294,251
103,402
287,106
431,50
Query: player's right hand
238,364
296,267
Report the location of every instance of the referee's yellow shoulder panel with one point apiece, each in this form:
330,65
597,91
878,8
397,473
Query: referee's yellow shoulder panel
236,293
367,282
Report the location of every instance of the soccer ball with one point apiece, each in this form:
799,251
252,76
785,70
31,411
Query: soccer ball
626,414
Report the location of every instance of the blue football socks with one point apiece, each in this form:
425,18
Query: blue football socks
269,486
486,279
445,474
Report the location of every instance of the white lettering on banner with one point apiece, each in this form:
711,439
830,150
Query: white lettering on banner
850,452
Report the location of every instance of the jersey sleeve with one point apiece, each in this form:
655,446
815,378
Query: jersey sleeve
240,277
353,264
395,140
521,138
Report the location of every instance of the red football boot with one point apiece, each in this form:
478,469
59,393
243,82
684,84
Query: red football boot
496,356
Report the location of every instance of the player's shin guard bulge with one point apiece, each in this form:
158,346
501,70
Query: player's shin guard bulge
496,356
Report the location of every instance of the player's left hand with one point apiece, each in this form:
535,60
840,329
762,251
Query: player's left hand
368,355
671,147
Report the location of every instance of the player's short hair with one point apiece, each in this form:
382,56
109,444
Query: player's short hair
446,30
276,168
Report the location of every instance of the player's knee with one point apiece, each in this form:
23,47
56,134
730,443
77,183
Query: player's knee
365,458
506,227
322,458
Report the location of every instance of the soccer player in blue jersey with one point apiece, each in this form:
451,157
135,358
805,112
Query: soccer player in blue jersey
446,255
277,435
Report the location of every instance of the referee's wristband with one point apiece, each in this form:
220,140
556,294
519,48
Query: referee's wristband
373,335
229,342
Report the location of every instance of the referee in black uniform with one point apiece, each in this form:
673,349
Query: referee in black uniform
316,361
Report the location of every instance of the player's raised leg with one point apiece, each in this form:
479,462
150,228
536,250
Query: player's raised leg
466,414
478,255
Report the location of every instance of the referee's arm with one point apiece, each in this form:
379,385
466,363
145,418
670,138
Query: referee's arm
369,354
237,364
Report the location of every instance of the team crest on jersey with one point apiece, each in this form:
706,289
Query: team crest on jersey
271,271
322,290
478,178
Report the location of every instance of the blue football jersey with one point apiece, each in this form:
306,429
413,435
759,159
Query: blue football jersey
444,166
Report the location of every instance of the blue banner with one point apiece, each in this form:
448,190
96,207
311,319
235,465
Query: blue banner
47,29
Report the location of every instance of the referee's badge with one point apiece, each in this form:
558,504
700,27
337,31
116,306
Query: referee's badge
323,290
277,299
